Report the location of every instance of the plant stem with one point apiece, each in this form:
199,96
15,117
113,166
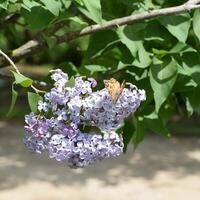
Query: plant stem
37,90
10,61
17,70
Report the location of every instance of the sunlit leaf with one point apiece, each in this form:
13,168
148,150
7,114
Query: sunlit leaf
4,4
177,25
22,80
53,6
95,68
132,36
196,23
94,9
162,78
28,4
78,20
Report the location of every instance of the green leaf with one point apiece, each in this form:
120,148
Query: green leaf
126,59
177,25
28,4
139,131
183,83
178,48
189,107
132,37
95,68
53,6
160,52
128,131
191,66
71,82
66,3
182,48
94,9
13,101
69,68
154,31
51,41
78,20
33,100
168,109
4,4
192,99
37,18
162,78
143,59
196,23
79,2
13,7
22,80
155,123
100,41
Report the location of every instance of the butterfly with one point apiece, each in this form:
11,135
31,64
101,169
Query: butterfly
114,88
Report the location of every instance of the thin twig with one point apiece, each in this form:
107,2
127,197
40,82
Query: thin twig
37,90
17,70
10,61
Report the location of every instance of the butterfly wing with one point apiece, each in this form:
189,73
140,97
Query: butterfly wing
114,88
122,86
118,91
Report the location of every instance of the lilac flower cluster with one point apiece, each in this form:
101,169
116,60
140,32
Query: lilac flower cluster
66,111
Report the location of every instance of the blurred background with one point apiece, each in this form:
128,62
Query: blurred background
159,169
165,129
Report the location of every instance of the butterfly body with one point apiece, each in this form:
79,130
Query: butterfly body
114,88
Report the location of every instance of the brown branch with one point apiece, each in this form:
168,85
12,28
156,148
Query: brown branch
32,45
131,19
35,45
8,19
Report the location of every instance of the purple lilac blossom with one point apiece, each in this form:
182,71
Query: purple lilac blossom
74,107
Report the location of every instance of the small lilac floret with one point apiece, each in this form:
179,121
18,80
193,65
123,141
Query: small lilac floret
42,106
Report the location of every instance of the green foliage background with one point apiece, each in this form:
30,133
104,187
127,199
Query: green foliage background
159,55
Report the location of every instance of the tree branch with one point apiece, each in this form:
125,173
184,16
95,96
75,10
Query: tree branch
8,19
31,46
188,6
34,45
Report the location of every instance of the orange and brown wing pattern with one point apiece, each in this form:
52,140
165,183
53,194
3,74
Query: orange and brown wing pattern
114,88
